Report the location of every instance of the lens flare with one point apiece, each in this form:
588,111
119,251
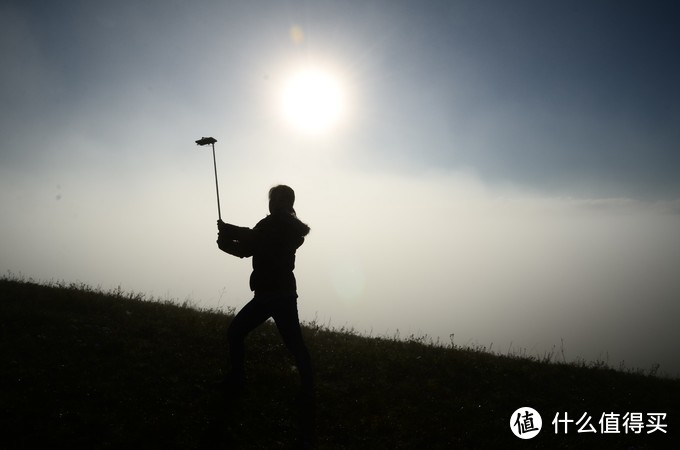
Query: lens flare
297,35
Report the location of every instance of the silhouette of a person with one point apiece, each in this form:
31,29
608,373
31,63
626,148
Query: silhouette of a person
272,244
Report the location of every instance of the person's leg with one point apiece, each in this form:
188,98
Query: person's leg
226,406
285,315
252,315
288,323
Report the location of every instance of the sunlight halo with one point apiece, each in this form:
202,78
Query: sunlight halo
313,100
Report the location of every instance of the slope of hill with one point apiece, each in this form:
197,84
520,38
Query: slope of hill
86,369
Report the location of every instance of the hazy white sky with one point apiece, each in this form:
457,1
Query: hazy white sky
505,171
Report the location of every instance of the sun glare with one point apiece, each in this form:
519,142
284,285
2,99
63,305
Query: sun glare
313,100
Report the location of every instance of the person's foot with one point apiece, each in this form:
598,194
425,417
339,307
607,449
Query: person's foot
307,419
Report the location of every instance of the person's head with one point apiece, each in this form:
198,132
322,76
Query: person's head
281,199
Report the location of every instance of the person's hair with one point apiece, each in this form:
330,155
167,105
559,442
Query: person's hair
283,198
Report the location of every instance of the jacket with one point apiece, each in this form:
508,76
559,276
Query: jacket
272,244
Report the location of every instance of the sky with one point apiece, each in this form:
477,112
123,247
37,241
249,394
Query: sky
501,174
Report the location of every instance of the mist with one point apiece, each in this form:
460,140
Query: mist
442,255
447,256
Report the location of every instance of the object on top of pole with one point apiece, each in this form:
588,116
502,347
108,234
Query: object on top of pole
206,141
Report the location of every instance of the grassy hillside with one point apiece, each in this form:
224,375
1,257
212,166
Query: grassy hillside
84,369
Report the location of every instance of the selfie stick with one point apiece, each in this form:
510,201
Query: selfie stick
211,141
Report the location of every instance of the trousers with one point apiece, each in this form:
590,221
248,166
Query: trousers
282,307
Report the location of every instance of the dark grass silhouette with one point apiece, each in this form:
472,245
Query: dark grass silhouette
86,369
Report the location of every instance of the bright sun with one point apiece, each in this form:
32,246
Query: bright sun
313,100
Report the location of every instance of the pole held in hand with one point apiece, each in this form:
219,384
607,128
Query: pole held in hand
205,141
